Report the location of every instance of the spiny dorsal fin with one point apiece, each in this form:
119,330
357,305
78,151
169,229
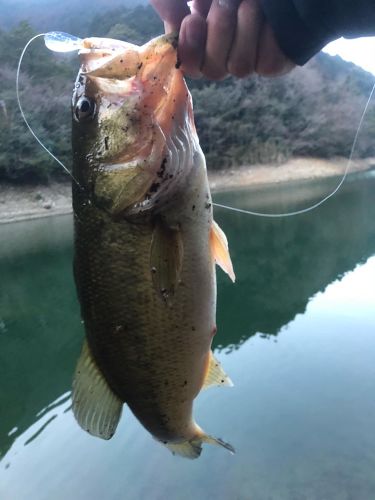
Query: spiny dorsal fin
220,250
96,408
215,374
166,260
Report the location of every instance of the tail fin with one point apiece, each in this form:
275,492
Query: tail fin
193,448
218,442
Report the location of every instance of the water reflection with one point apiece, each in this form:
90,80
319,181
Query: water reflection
280,265
41,330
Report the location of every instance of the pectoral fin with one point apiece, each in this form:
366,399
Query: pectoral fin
96,408
166,258
220,250
215,374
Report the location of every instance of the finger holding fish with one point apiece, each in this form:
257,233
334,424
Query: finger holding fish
224,37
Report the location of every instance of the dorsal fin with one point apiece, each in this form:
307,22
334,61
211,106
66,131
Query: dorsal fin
96,408
220,250
215,375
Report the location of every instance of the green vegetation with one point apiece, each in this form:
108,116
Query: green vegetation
314,111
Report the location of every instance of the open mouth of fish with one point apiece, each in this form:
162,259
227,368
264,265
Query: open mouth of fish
144,89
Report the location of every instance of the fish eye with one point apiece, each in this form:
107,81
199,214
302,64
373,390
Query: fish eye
84,109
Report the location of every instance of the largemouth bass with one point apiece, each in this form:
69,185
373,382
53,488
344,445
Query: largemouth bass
145,245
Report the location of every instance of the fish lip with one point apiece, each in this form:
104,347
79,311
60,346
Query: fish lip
148,70
97,56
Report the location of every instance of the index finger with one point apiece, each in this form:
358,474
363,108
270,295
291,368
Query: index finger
171,12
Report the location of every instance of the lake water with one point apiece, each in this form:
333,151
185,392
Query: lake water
296,333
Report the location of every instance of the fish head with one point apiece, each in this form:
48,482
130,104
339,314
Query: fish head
129,103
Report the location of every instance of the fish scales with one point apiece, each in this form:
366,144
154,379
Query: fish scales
144,248
164,348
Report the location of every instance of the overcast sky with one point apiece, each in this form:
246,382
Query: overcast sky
360,51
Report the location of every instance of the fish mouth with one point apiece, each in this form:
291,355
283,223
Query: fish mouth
119,69
119,60
146,91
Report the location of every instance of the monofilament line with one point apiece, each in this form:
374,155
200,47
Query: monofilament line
23,114
315,205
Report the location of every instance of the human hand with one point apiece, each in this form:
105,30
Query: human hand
221,37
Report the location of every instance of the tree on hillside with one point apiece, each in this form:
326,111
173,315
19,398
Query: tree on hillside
139,24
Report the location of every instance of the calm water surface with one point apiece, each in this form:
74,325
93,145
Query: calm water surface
296,333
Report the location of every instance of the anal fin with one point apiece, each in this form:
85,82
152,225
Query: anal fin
96,408
220,250
215,375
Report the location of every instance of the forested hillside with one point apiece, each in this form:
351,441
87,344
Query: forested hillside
314,111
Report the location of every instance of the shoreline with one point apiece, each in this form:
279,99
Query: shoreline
19,203
293,170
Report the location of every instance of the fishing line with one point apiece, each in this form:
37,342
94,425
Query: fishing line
63,42
315,205
45,35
